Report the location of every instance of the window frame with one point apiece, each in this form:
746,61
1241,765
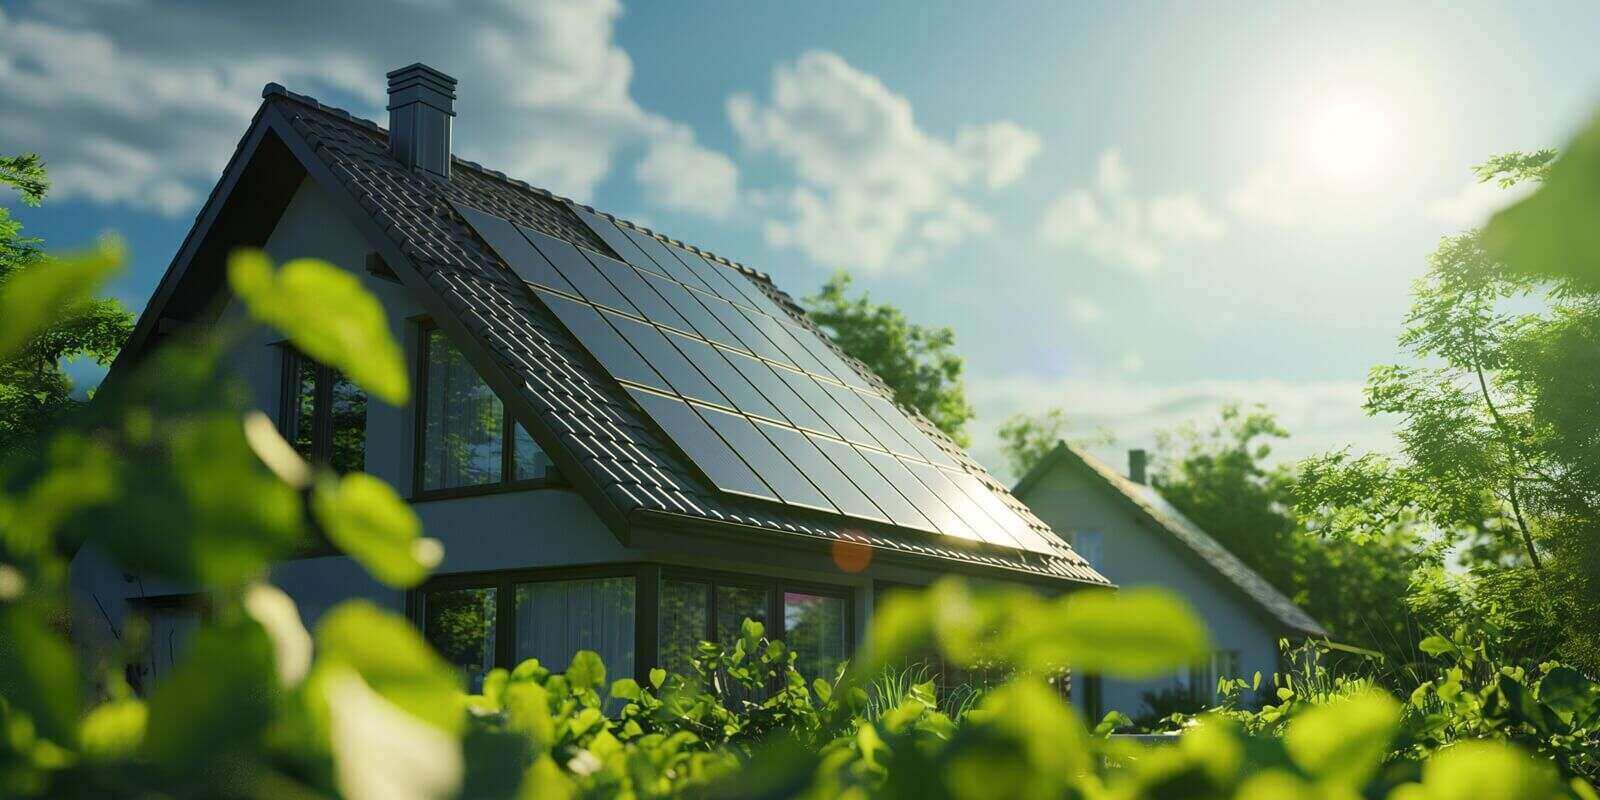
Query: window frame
776,624
508,437
289,362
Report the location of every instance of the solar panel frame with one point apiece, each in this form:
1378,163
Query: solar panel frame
701,320
628,280
889,499
796,353
1012,523
836,365
856,406
908,430
706,450
964,507
796,411
514,249
914,490
614,238
664,260
810,389
739,324
715,276
713,363
763,457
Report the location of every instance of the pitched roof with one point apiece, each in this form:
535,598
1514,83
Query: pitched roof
1182,533
578,413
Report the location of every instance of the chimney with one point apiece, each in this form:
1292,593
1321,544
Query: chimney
1137,461
421,102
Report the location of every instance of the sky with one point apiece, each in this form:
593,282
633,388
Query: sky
1134,212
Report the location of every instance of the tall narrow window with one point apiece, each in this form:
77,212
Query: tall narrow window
814,626
324,414
466,439
685,622
555,619
460,624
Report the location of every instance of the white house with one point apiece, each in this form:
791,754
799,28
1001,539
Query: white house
1126,530
625,443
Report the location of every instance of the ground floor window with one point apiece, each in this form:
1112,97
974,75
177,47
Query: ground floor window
479,622
164,625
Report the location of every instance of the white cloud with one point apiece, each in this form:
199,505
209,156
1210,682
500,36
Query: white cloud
142,104
1113,225
1473,204
872,189
1320,415
1271,196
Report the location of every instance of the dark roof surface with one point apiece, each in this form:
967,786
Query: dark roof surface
576,403
1183,532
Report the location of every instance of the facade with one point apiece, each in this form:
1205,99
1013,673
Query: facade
1125,528
625,444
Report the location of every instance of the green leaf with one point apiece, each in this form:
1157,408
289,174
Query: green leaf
392,658
114,730
1132,633
657,677
1436,645
52,289
328,315
626,688
38,673
382,752
1551,234
586,671
1479,770
367,519
221,695
528,713
1344,741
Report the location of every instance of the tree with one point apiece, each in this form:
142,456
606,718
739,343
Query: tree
1026,439
1497,401
34,390
918,362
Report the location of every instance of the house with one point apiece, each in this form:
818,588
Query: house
625,443
1123,527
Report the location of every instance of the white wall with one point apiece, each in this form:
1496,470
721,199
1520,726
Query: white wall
1135,553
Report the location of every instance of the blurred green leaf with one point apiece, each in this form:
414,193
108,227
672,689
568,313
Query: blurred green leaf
1436,645
367,519
51,289
114,730
1132,633
586,671
328,315
390,656
38,673
1478,770
1552,234
1344,740
527,707
220,696
380,751
278,616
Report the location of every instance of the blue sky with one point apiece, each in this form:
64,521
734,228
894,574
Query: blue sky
1132,211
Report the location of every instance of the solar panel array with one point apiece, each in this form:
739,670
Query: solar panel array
759,403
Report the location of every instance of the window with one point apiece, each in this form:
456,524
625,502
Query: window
168,621
1201,680
815,623
323,414
481,622
1091,546
465,438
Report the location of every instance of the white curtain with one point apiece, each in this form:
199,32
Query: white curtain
558,618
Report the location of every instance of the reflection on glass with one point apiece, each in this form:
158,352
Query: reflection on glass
685,613
814,627
463,422
347,423
459,623
734,605
529,461
300,422
558,618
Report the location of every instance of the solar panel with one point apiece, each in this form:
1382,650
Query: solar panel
958,501
908,430
601,340
746,287
633,286
612,236
866,478
514,249
579,272
705,449
764,377
796,353
1013,523
700,320
819,350
715,276
841,423
665,261
882,435
710,361
945,520
772,466
667,360
739,323
840,489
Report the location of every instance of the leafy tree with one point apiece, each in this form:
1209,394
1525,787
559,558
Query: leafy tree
1026,439
1497,404
34,390
919,363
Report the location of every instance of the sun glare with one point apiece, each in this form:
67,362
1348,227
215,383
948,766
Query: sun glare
1346,139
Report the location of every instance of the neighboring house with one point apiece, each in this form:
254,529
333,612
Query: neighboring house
625,443
1127,530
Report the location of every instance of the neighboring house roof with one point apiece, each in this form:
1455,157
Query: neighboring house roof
1182,533
596,434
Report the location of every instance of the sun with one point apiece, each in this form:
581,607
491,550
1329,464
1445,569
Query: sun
1346,138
